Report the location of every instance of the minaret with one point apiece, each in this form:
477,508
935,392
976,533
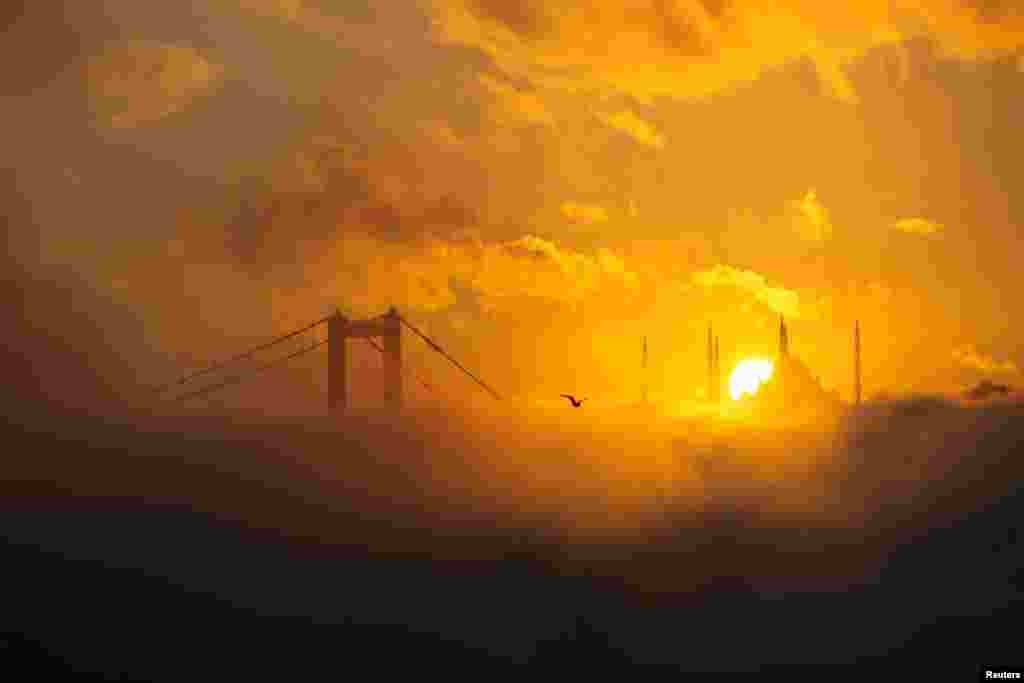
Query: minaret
856,362
783,338
718,374
644,370
711,366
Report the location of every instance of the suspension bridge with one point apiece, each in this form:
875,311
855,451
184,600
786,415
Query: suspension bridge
211,378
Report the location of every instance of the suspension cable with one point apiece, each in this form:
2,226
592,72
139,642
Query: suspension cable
451,360
238,379
241,356
374,344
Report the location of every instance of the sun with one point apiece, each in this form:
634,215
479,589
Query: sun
748,376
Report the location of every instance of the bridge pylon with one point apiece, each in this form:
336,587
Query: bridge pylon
339,330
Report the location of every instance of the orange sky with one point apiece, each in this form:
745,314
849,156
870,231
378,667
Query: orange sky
538,183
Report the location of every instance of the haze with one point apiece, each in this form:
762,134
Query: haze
564,197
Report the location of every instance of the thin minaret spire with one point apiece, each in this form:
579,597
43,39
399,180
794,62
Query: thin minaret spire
644,369
856,362
711,365
718,373
783,337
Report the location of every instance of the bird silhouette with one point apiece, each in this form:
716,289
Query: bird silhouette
576,402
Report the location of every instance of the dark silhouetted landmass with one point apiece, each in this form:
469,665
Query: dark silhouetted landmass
987,389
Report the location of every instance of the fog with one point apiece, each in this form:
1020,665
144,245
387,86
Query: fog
520,521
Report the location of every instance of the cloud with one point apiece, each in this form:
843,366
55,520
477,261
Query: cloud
971,359
532,266
442,134
369,30
584,213
139,83
289,10
523,105
613,264
777,298
917,226
330,181
364,274
689,48
635,127
811,218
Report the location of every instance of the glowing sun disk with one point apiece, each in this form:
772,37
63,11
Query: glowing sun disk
747,377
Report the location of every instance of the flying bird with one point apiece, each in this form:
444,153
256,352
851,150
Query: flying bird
576,402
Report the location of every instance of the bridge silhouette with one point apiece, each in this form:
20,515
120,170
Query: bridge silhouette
340,329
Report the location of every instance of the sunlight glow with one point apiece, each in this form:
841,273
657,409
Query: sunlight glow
747,377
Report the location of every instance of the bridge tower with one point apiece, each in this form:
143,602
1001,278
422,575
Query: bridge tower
339,330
